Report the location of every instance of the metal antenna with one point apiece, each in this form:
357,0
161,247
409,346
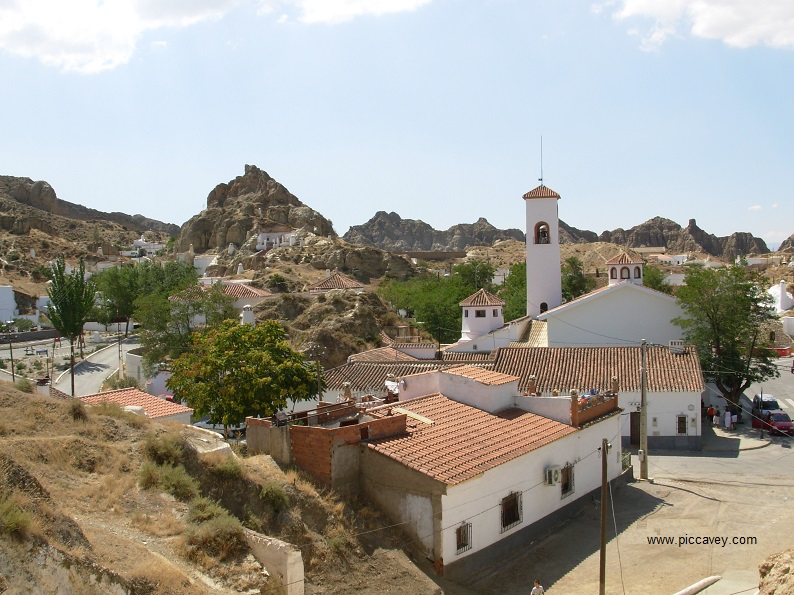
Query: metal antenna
540,179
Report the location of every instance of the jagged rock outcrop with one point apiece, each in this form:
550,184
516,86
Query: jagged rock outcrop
788,243
248,204
41,196
389,231
571,235
669,234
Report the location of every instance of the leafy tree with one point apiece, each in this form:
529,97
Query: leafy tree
168,323
23,324
71,302
514,292
574,281
725,311
232,371
654,278
476,274
119,289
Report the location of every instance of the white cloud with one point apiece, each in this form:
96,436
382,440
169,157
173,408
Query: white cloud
755,208
774,205
738,23
93,35
90,36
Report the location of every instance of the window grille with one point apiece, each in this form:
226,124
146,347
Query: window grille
463,538
512,513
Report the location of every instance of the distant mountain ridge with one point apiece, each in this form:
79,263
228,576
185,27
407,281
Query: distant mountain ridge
40,195
389,231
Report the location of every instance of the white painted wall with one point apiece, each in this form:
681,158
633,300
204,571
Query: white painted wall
478,501
544,282
663,412
621,316
461,389
557,408
473,327
8,305
501,337
418,352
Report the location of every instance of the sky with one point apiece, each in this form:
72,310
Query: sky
433,109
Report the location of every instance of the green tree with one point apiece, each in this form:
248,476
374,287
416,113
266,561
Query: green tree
725,310
232,371
71,303
574,281
514,292
168,322
119,289
475,274
654,278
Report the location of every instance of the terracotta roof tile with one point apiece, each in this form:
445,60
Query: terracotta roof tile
464,441
242,290
365,375
382,354
481,375
155,407
565,368
482,298
541,192
535,335
335,281
625,258
468,356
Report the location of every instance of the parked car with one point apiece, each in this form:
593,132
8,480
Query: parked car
761,405
778,422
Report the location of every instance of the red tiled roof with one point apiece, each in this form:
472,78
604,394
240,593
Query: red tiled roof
463,441
335,281
382,354
468,356
624,258
386,339
155,407
241,290
481,375
482,298
364,375
541,192
420,345
565,368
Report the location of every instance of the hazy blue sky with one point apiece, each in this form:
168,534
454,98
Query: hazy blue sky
430,108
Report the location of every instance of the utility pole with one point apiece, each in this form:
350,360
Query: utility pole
644,414
602,577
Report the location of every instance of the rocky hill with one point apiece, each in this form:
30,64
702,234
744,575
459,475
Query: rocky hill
42,198
788,244
389,231
244,206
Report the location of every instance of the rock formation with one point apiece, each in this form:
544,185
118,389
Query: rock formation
248,204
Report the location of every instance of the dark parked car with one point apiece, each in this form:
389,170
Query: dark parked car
778,422
761,405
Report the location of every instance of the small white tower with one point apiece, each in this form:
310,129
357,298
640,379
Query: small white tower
624,267
544,281
483,312
247,317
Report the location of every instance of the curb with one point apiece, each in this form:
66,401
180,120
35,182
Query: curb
87,358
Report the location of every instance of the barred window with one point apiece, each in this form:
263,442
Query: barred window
512,512
463,537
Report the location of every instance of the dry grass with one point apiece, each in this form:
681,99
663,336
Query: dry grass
161,524
114,410
301,482
105,494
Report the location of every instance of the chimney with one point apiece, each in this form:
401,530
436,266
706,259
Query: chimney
347,394
533,384
615,385
327,273
574,407
247,317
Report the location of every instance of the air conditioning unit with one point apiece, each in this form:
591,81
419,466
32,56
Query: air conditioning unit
553,475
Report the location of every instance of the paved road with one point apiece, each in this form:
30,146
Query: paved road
93,371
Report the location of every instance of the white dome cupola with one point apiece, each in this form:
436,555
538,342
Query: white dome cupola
624,267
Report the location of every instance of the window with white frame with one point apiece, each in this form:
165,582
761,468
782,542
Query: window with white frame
463,538
512,513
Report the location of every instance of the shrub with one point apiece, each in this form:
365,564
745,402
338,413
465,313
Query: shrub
77,410
274,495
21,367
226,468
3,364
165,448
14,520
220,537
177,482
123,382
24,385
204,509
149,477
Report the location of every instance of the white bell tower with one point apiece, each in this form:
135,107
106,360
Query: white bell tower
544,281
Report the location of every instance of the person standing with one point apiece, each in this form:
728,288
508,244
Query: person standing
727,418
537,589
716,417
710,414
734,417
